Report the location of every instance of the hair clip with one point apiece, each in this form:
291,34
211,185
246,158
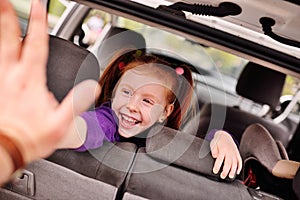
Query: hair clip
138,53
179,70
121,65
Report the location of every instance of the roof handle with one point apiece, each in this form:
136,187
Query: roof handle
224,9
267,24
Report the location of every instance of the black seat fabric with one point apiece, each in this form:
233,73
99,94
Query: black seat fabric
68,65
109,163
296,184
260,84
235,121
181,149
176,165
118,40
152,179
52,181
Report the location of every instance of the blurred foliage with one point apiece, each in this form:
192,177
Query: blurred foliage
56,7
22,7
227,63
291,85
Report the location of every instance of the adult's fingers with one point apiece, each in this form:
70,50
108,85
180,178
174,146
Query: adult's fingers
35,49
9,34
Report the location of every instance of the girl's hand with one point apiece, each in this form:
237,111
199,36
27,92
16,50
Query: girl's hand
224,149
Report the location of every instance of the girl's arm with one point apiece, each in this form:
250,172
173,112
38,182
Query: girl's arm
76,134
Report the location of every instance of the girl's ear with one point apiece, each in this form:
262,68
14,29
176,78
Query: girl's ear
169,109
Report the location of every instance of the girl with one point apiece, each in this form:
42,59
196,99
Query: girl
137,92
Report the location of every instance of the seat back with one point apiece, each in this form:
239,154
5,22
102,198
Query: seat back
68,65
257,83
177,165
118,40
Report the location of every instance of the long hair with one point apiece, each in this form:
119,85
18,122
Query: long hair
181,96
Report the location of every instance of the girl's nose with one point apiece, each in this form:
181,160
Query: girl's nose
132,104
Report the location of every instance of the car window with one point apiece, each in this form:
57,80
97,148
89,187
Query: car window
56,9
22,7
291,92
92,26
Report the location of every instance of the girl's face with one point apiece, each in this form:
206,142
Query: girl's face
139,102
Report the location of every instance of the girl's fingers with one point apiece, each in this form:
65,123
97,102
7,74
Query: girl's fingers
9,34
214,151
233,170
226,167
218,163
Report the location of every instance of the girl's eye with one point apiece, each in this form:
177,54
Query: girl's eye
149,101
126,92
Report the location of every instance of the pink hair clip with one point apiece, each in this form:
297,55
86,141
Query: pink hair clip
179,70
121,65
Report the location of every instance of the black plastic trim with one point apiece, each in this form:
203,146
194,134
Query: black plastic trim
297,2
213,35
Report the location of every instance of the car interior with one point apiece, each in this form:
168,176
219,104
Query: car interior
170,164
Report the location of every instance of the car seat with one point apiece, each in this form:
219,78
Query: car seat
259,84
266,165
118,40
68,65
177,165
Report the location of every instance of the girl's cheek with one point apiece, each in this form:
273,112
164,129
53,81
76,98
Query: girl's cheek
155,112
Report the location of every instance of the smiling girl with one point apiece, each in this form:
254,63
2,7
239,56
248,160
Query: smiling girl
139,91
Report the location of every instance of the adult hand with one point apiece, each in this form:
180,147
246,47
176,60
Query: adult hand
29,113
224,149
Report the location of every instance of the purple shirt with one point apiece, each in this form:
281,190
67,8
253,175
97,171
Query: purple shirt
101,126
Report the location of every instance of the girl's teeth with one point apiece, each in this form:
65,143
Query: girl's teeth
129,119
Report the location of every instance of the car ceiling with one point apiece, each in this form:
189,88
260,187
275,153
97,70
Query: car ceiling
246,24
285,14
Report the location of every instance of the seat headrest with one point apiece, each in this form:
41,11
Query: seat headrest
118,39
182,150
260,84
68,65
